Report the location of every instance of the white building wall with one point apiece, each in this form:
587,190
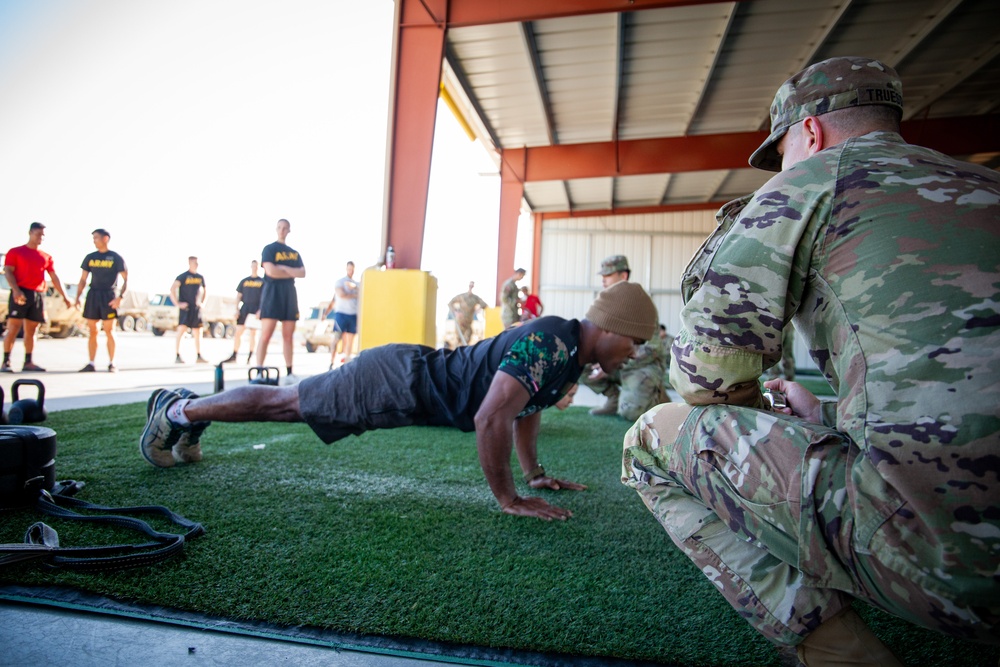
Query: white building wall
659,247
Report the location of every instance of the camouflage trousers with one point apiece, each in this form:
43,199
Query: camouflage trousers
639,389
464,328
758,501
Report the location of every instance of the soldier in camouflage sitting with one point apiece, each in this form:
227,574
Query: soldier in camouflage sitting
884,254
641,382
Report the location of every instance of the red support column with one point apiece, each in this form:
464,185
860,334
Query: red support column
511,193
418,50
536,253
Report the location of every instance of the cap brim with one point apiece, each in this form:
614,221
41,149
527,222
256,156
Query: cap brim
766,156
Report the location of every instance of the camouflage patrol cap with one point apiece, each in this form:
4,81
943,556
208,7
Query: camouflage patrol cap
613,264
837,83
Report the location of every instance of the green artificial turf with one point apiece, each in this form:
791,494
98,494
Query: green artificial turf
396,533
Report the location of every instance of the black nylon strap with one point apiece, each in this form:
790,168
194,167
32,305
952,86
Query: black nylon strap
42,542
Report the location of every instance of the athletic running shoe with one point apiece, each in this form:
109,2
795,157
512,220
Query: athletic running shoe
32,366
160,434
231,357
112,368
290,380
5,368
178,360
89,368
188,447
201,360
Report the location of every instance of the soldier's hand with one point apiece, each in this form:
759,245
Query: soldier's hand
801,402
536,507
544,482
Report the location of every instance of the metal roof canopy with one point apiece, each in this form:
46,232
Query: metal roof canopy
643,105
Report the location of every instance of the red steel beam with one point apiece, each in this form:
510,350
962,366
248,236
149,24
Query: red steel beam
952,136
482,12
628,210
418,50
511,193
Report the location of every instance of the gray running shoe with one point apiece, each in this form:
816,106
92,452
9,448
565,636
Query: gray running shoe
188,447
160,434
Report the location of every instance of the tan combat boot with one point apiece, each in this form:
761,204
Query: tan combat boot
844,640
610,406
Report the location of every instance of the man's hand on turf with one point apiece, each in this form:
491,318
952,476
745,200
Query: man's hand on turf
536,507
544,482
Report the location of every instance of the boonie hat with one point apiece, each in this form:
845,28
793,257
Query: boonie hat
837,83
625,309
613,264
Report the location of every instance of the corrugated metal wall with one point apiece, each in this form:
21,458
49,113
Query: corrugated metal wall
658,246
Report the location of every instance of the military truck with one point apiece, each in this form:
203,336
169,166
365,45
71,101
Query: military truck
218,315
60,321
133,313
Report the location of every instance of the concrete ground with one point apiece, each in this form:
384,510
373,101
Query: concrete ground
34,634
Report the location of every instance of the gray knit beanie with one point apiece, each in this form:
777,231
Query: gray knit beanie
625,309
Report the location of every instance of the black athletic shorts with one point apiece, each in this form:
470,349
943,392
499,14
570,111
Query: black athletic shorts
33,308
279,301
379,389
241,319
190,317
97,306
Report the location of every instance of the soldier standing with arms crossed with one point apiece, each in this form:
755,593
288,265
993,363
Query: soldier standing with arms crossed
279,300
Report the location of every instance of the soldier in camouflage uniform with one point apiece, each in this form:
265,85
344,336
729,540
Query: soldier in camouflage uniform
510,304
464,307
885,256
641,382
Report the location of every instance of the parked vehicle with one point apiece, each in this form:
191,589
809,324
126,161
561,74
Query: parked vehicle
314,332
60,321
218,315
133,313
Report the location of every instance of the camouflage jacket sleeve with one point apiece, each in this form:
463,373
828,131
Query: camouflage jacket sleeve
741,289
650,353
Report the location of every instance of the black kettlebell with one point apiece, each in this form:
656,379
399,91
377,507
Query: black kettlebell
27,410
262,375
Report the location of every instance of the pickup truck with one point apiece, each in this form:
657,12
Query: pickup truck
218,315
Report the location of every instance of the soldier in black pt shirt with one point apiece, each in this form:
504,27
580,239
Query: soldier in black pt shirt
188,292
247,304
496,388
102,303
278,302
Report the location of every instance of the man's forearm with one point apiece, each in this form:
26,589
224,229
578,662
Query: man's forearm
526,431
494,444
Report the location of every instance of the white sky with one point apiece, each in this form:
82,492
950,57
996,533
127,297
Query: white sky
191,126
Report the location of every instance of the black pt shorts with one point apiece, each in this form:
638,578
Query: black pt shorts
98,305
379,389
33,308
279,301
190,317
